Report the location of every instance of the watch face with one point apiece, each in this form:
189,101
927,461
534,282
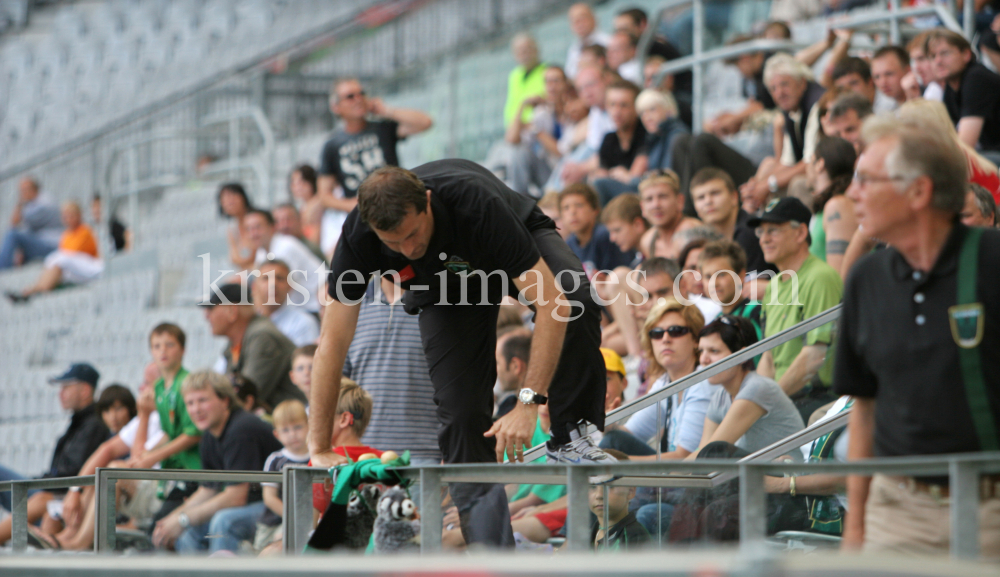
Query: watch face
526,396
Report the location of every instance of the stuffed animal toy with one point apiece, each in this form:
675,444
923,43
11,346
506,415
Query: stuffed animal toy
361,516
397,525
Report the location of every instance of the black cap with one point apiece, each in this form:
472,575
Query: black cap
82,372
782,210
231,294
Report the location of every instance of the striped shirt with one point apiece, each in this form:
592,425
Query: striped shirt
387,359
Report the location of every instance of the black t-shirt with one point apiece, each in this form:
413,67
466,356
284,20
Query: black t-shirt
978,95
118,233
479,225
612,154
896,346
244,445
748,241
350,158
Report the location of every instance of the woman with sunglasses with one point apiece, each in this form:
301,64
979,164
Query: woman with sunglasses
747,412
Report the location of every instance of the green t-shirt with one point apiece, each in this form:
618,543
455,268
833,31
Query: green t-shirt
818,246
819,287
174,420
521,86
547,493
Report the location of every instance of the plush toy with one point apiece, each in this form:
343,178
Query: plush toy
396,526
361,516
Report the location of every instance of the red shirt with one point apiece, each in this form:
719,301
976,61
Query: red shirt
989,180
323,492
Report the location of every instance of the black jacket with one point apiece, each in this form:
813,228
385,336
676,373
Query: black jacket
85,434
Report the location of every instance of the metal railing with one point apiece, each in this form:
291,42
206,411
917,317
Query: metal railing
19,502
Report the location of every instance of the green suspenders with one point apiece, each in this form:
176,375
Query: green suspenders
968,319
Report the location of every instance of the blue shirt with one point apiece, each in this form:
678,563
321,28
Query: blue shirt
600,253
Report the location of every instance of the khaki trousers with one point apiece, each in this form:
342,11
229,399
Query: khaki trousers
903,518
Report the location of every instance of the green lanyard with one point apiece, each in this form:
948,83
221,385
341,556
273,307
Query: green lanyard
968,319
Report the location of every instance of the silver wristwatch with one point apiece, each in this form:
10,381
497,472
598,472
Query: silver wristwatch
183,520
530,397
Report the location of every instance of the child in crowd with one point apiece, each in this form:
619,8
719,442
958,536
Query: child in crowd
117,407
291,427
623,531
301,373
579,209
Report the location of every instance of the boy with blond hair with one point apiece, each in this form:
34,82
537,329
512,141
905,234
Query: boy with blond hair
301,373
291,424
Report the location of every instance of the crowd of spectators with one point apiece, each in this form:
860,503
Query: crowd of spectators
732,235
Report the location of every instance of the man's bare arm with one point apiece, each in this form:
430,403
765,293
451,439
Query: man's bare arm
860,445
803,368
339,322
324,192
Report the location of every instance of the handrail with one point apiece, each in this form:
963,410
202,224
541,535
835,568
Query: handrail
19,502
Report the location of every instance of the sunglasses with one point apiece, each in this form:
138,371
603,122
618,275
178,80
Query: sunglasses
674,331
353,95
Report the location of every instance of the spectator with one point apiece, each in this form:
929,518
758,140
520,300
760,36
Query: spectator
623,157
596,56
889,65
718,205
387,359
584,26
688,286
525,81
980,209
84,435
971,92
845,118
658,114
121,238
753,89
833,222
622,57
271,245
75,261
35,226
663,208
235,204
288,221
116,406
922,81
271,297
722,264
357,148
301,373
903,364
634,21
622,217
249,397
803,367
256,349
591,84
589,241
303,188
624,532
855,75
291,426
796,94
549,205
513,352
233,440
765,416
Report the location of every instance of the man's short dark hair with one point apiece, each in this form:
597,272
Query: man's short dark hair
622,84
597,50
638,15
954,38
581,189
169,329
304,351
786,32
287,205
898,51
726,249
710,173
516,346
275,262
984,201
308,174
116,393
385,197
852,65
659,265
851,101
633,40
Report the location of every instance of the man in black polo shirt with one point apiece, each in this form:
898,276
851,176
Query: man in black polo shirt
971,91
718,205
457,239
218,516
918,339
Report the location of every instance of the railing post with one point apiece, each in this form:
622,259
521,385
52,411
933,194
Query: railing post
234,151
430,511
104,494
19,516
297,502
753,507
578,518
964,484
969,19
697,70
894,22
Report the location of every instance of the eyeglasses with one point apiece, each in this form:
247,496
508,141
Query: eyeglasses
353,95
674,331
863,180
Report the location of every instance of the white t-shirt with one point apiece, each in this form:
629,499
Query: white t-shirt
154,433
573,54
934,91
299,258
299,326
631,71
599,124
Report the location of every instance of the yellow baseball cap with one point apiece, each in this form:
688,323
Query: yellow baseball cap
612,361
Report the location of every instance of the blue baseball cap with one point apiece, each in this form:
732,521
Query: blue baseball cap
82,372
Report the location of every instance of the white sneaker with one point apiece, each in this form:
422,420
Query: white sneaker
584,451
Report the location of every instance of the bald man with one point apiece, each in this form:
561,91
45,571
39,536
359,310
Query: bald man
526,80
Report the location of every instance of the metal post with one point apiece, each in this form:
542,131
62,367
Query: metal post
969,19
578,518
894,22
698,69
430,511
753,507
964,483
104,494
19,517
133,193
234,145
297,502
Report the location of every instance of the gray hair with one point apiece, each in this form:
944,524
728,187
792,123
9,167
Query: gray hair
782,64
652,98
984,201
205,380
851,101
921,151
706,233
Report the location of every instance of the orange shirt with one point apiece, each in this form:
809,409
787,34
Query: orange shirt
80,239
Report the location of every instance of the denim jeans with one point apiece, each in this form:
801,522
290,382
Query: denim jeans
33,247
10,475
223,532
